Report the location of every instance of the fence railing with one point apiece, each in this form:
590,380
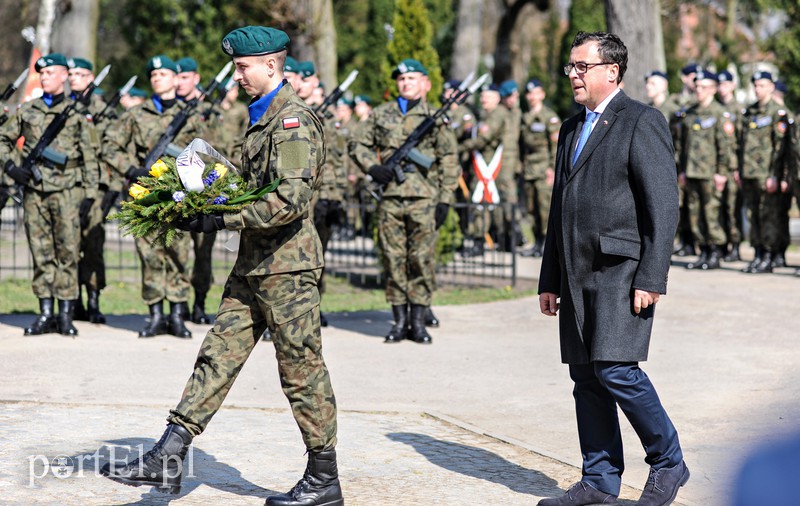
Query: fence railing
351,251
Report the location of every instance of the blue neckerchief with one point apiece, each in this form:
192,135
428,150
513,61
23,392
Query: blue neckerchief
73,95
260,106
403,103
157,102
48,99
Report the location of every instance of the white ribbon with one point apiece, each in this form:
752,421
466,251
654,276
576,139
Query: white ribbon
191,166
488,173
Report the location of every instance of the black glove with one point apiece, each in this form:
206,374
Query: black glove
134,173
20,175
336,213
5,192
84,210
320,213
204,224
108,202
440,214
381,174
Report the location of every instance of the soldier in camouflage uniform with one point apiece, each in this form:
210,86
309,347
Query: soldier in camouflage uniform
69,183
681,103
410,213
273,283
656,87
235,121
764,126
785,194
508,180
539,138
707,157
165,271
91,268
732,198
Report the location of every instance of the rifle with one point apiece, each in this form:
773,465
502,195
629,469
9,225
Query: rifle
42,150
220,97
10,89
112,104
408,151
178,122
322,109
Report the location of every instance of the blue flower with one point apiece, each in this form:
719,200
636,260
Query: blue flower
212,176
220,200
178,196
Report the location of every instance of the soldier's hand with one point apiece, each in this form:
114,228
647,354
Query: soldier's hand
440,214
720,181
204,224
84,210
682,180
134,173
381,174
109,199
20,175
772,184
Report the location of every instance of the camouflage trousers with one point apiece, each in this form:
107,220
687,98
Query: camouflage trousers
165,271
54,237
537,199
763,214
705,212
287,304
202,273
92,266
733,212
407,237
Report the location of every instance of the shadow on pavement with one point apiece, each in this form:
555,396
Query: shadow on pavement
368,323
201,468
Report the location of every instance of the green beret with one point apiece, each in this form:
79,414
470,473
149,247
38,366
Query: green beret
51,60
186,65
254,41
507,88
345,101
362,99
306,68
99,91
161,62
408,65
79,63
291,65
137,92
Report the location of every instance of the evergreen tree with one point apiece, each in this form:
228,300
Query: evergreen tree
372,53
786,45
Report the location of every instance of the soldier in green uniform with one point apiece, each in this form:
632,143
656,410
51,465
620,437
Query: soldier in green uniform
539,138
273,283
409,213
784,189
510,234
235,121
656,87
135,96
706,155
764,125
733,196
165,272
69,183
681,103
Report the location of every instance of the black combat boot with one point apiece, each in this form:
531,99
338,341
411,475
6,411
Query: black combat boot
199,309
399,330
779,259
323,322
713,258
79,312
319,485
176,325
765,265
733,254
759,252
65,326
161,467
417,332
430,318
703,258
93,306
157,324
45,323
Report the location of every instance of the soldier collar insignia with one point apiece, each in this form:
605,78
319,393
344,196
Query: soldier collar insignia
226,46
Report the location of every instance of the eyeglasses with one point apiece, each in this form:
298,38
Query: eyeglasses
581,67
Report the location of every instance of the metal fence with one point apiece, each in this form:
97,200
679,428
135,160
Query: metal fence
351,251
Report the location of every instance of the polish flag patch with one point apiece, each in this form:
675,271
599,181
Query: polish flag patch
293,122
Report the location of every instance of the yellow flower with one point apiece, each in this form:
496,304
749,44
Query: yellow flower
158,168
221,170
138,191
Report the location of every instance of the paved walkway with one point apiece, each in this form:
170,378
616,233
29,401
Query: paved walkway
482,416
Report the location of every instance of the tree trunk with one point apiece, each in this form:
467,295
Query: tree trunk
467,45
324,42
44,27
638,24
75,29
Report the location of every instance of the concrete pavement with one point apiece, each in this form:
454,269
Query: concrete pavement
484,415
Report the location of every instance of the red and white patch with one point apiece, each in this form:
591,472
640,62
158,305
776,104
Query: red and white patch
728,128
293,122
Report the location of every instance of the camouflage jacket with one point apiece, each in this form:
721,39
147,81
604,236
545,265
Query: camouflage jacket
334,180
30,121
511,156
386,130
278,234
761,138
95,135
225,129
489,135
127,142
539,138
708,142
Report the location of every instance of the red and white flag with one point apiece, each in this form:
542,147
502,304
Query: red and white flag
293,122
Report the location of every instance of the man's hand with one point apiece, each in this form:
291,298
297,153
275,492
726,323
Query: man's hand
381,174
737,177
682,180
720,181
643,300
203,224
550,176
548,303
440,214
20,175
784,187
84,210
134,173
109,199
772,184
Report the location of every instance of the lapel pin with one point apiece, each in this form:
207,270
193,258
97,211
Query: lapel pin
605,122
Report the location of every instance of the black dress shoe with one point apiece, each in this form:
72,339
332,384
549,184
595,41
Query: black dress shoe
580,494
663,484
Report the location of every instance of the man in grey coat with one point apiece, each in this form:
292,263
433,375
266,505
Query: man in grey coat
612,220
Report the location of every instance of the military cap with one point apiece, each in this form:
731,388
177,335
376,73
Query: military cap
533,84
409,65
137,92
79,63
362,99
291,65
254,41
345,101
507,88
706,74
780,87
691,68
99,91
491,87
186,65
761,74
656,73
306,68
161,62
725,76
51,60
451,84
